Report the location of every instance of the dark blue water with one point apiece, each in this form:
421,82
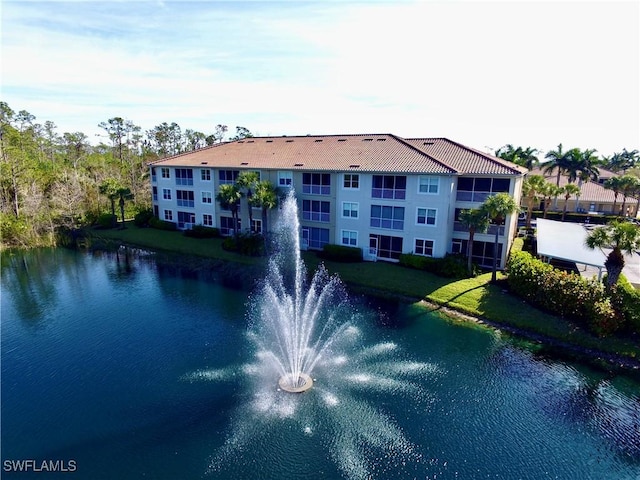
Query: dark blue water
98,349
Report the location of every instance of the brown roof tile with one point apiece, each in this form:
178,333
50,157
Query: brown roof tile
363,152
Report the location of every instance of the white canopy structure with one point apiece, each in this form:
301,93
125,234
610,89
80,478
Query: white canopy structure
565,241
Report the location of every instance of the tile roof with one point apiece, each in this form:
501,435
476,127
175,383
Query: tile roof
384,153
590,191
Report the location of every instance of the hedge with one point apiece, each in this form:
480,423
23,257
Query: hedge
565,294
341,253
450,266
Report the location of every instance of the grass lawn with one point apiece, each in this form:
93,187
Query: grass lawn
476,297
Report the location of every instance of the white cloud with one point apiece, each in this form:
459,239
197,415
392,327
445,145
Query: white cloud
483,73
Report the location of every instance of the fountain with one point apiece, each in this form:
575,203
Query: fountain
295,326
306,338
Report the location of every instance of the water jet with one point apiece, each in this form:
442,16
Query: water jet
295,385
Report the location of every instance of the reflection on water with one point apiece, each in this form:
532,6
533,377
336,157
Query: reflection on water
96,348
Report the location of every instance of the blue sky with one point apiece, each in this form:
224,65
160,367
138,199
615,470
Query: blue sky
533,73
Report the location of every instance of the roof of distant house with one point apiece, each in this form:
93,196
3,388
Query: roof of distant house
381,153
592,192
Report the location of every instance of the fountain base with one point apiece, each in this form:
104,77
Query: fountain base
303,384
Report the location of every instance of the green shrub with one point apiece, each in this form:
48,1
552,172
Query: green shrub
419,262
450,266
200,231
106,220
162,224
565,294
251,244
143,217
341,253
626,300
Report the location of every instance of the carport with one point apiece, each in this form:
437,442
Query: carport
565,241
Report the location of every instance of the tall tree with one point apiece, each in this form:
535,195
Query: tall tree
568,190
247,182
533,188
475,220
621,237
265,197
110,188
556,160
124,194
497,208
241,132
229,196
525,157
615,184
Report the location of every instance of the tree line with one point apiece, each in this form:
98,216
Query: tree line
53,184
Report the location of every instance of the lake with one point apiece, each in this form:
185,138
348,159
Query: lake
117,366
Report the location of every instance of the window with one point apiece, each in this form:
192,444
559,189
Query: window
155,193
226,225
184,176
153,174
389,186
256,226
316,211
227,176
350,209
316,183
387,217
428,185
206,197
424,247
349,238
285,179
186,220
205,175
315,237
478,189
168,215
351,181
457,246
426,216
207,220
165,173
166,194
185,198
388,247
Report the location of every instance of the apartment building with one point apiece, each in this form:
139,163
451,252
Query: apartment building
385,194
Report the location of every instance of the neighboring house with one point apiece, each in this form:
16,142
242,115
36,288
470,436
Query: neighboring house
382,193
593,196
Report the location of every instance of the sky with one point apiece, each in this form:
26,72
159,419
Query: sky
485,74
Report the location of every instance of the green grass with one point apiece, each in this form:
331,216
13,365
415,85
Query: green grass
476,297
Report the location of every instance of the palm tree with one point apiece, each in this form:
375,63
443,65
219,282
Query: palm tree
628,185
568,190
621,237
533,187
475,220
525,157
550,191
614,184
229,196
265,196
497,208
109,188
124,194
557,159
246,182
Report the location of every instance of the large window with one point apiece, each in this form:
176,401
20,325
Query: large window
351,181
316,183
477,189
482,253
387,247
426,216
428,185
424,247
315,237
184,176
186,220
350,209
227,176
154,191
389,186
349,237
185,198
387,217
316,211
